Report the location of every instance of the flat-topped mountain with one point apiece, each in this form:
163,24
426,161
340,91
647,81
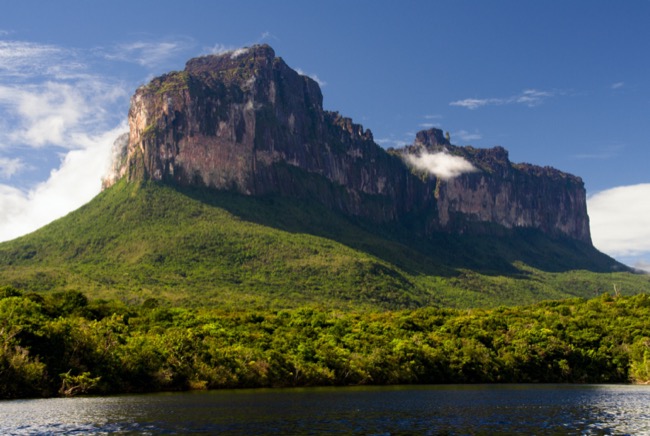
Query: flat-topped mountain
234,188
244,121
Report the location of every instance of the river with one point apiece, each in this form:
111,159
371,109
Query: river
395,410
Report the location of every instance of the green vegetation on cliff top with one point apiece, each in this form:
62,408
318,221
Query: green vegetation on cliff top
203,248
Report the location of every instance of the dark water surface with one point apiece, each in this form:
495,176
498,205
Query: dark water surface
433,410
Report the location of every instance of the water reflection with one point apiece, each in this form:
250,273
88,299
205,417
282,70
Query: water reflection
454,410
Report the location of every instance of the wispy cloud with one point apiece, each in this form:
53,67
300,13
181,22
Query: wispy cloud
314,77
532,97
239,52
150,53
431,121
620,220
617,85
51,101
21,59
10,166
474,103
528,97
266,36
602,154
76,118
464,135
55,113
219,48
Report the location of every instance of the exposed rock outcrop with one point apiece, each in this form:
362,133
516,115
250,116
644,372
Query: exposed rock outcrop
500,192
245,121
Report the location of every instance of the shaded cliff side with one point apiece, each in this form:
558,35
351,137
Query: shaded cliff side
496,191
245,122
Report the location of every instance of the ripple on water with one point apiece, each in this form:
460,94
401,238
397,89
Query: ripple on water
453,410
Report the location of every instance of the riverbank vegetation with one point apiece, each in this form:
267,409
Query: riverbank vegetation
64,344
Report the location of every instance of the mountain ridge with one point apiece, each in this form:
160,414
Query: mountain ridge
236,121
226,194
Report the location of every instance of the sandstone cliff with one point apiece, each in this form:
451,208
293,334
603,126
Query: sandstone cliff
244,121
500,192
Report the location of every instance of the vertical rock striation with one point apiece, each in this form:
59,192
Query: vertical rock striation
503,193
244,121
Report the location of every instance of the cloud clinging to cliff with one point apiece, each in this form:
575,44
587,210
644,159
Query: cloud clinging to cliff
52,106
75,182
313,77
442,165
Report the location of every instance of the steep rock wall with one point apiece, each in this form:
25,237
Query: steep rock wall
236,121
245,121
503,193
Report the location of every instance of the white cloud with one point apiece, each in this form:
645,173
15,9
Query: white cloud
603,154
473,103
617,85
267,36
149,54
119,152
44,111
9,167
239,52
442,164
464,135
55,113
219,49
234,52
314,77
620,220
21,59
74,183
427,125
49,100
432,117
528,97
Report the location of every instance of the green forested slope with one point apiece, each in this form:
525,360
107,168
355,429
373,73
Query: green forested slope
195,248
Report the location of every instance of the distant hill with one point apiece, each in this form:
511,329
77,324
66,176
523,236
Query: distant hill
235,187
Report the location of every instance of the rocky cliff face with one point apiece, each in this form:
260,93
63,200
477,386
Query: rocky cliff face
500,192
245,121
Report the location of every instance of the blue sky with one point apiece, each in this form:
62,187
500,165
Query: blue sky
558,83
